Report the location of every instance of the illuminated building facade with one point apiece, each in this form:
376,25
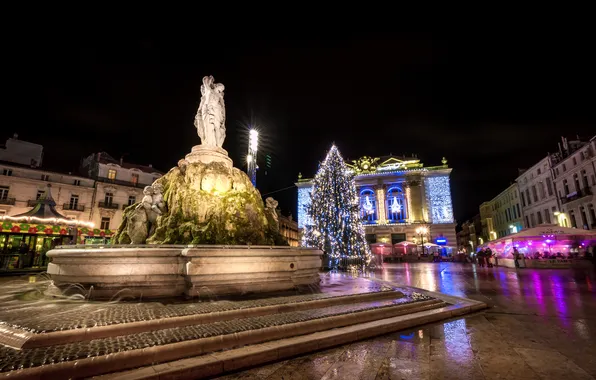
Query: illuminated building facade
40,209
574,172
397,196
288,228
502,215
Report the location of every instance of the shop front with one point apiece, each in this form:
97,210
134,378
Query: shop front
25,238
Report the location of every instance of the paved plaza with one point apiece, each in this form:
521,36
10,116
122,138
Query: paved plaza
541,324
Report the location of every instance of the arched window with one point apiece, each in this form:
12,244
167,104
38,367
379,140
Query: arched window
396,205
368,206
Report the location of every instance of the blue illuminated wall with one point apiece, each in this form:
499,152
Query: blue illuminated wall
438,196
303,201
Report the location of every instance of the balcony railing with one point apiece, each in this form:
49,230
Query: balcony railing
73,207
7,201
109,205
123,183
31,202
577,195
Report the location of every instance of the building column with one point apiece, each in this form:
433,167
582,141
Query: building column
415,200
381,210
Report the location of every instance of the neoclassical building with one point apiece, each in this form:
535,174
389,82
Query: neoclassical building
398,195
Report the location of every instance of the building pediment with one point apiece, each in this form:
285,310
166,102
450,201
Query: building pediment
394,163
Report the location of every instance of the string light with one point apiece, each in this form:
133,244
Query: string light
303,202
29,219
439,199
333,212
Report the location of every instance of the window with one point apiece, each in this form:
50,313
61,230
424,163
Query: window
396,206
108,199
74,202
592,214
557,171
534,193
564,168
576,181
549,186
574,161
593,180
523,199
368,208
539,217
45,177
112,174
528,197
566,187
527,222
585,179
546,216
539,172
7,172
4,192
105,223
572,217
532,220
132,200
39,194
134,178
77,182
582,211
518,213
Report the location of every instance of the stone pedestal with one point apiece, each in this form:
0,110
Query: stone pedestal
208,154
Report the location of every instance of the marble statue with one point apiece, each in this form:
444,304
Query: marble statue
210,120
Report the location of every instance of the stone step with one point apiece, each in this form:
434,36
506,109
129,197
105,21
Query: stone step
100,356
223,362
23,339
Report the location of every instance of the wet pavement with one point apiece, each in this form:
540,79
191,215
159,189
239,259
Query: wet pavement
541,324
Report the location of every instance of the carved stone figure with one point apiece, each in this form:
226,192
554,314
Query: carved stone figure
210,119
271,213
157,203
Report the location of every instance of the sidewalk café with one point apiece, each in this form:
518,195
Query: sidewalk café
25,238
547,246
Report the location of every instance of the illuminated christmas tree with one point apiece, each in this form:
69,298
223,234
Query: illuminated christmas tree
334,218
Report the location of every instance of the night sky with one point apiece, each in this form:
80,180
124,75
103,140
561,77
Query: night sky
489,103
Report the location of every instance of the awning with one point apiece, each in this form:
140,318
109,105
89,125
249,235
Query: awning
45,211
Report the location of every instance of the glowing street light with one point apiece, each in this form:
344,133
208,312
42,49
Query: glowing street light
422,231
251,157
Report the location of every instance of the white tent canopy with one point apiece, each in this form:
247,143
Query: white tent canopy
405,243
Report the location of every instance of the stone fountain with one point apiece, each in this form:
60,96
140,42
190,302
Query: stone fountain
201,229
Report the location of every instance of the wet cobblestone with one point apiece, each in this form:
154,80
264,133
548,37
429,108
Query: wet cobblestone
11,359
46,315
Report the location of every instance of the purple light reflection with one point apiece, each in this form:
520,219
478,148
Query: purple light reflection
537,284
559,296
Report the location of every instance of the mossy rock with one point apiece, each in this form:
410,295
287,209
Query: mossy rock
208,204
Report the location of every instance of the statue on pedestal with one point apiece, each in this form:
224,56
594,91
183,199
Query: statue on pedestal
210,120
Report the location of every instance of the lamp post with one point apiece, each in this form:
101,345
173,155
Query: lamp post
422,231
251,157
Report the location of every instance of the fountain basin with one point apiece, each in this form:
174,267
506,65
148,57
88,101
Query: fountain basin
167,271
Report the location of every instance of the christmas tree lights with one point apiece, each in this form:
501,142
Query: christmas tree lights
334,223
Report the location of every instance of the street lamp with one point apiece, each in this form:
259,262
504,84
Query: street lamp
251,157
422,231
